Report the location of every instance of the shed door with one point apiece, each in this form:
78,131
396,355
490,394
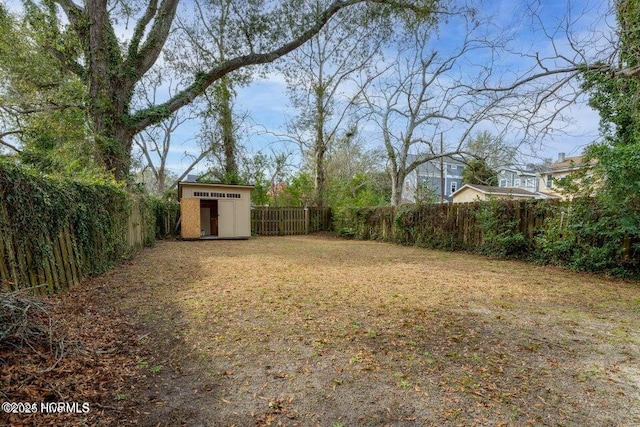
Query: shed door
213,218
226,218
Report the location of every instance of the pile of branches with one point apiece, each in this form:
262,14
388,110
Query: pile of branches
26,323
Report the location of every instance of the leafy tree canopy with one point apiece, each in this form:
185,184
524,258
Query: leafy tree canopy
86,42
479,172
617,99
42,119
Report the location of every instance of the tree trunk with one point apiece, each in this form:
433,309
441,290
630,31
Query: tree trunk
396,196
320,178
226,126
160,184
396,190
320,149
110,94
114,143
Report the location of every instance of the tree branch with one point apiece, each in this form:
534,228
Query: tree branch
8,145
189,168
146,117
141,26
141,60
69,64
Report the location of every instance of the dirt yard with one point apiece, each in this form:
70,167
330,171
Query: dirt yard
318,331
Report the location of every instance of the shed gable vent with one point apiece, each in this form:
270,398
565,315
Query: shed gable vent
217,195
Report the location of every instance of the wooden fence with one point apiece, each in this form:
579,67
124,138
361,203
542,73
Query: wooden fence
470,225
63,264
283,221
450,226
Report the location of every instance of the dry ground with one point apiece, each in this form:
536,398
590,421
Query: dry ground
313,330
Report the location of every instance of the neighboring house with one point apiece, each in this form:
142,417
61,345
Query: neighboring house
444,173
474,192
565,166
514,177
276,189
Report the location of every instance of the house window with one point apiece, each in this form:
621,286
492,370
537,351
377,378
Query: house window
530,183
200,194
454,187
517,182
503,182
549,181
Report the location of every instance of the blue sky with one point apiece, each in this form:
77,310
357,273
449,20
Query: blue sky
267,102
266,99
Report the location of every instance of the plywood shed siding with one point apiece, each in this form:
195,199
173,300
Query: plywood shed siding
190,214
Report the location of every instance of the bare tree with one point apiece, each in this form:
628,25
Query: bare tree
546,78
318,76
215,31
156,142
424,104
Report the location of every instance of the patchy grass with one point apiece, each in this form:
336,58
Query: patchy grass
305,331
371,333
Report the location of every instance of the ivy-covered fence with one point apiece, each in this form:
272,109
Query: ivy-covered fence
581,235
54,232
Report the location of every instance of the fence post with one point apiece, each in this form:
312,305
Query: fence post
306,220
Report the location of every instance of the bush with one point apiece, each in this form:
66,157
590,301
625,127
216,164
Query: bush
499,227
166,214
588,235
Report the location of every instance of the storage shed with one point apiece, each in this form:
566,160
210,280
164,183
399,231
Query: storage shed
214,211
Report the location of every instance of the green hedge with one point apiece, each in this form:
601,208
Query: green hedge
588,235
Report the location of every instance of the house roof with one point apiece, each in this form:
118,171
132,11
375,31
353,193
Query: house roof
489,190
212,185
502,191
518,170
435,162
570,163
